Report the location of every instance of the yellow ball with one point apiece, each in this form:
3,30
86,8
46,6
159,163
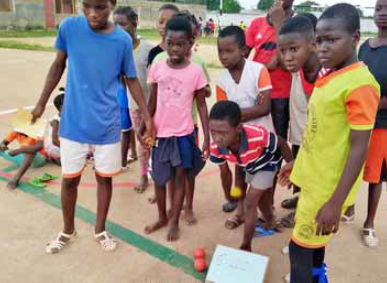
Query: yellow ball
236,192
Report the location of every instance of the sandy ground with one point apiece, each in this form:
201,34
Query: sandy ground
28,222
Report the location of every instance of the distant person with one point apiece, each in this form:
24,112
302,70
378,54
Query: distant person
242,25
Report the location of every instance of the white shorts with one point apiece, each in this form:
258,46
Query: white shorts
107,158
262,180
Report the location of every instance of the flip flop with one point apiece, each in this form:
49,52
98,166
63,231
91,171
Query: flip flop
234,222
229,206
47,177
37,183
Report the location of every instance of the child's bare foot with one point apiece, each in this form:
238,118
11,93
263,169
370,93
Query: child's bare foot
142,186
155,226
152,199
12,184
173,233
246,247
190,217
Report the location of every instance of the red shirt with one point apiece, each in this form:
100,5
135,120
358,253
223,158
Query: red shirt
258,150
261,36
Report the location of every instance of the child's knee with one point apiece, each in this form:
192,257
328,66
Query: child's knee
70,183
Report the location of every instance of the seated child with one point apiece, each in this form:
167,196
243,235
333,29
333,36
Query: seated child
256,150
33,152
52,142
329,166
174,83
248,84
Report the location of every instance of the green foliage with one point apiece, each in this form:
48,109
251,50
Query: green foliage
264,5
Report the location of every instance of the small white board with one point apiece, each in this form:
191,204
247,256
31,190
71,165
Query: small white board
230,265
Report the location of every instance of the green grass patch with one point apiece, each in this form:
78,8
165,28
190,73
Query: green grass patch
28,33
10,44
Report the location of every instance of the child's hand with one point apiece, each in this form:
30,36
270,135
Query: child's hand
150,129
3,147
37,113
277,14
206,150
328,219
284,175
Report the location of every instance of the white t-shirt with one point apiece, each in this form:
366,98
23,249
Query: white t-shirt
51,149
298,110
255,79
140,55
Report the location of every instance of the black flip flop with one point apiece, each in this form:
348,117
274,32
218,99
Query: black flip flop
229,206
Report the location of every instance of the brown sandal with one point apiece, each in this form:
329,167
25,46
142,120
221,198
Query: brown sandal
234,222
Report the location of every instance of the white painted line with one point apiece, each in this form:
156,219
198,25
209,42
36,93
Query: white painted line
14,110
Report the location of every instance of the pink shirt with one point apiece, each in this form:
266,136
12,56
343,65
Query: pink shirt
175,93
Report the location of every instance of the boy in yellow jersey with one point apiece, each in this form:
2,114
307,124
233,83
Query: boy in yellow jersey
329,165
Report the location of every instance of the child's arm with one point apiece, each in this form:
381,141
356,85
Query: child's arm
152,103
55,136
53,77
226,177
203,112
31,149
136,91
261,109
328,218
286,152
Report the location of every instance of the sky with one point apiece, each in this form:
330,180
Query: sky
364,3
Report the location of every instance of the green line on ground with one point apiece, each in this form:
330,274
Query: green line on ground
152,248
10,168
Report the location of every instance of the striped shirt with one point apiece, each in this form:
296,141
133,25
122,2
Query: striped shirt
258,150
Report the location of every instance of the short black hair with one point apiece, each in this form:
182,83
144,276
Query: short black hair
190,17
58,100
311,17
169,7
227,110
347,13
130,14
179,24
298,24
236,32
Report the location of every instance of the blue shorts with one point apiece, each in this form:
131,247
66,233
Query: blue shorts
175,152
126,122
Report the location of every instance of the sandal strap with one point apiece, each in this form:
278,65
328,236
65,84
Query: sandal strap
108,242
371,232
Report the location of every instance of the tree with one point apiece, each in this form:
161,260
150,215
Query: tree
306,7
229,6
213,5
264,5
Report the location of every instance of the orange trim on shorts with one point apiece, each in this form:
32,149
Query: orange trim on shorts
73,175
305,245
108,175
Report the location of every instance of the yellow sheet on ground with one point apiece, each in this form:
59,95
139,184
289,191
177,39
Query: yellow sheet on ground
21,122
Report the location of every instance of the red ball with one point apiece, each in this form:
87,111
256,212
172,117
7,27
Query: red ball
199,253
200,264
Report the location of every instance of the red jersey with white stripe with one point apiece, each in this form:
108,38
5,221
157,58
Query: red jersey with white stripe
258,150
